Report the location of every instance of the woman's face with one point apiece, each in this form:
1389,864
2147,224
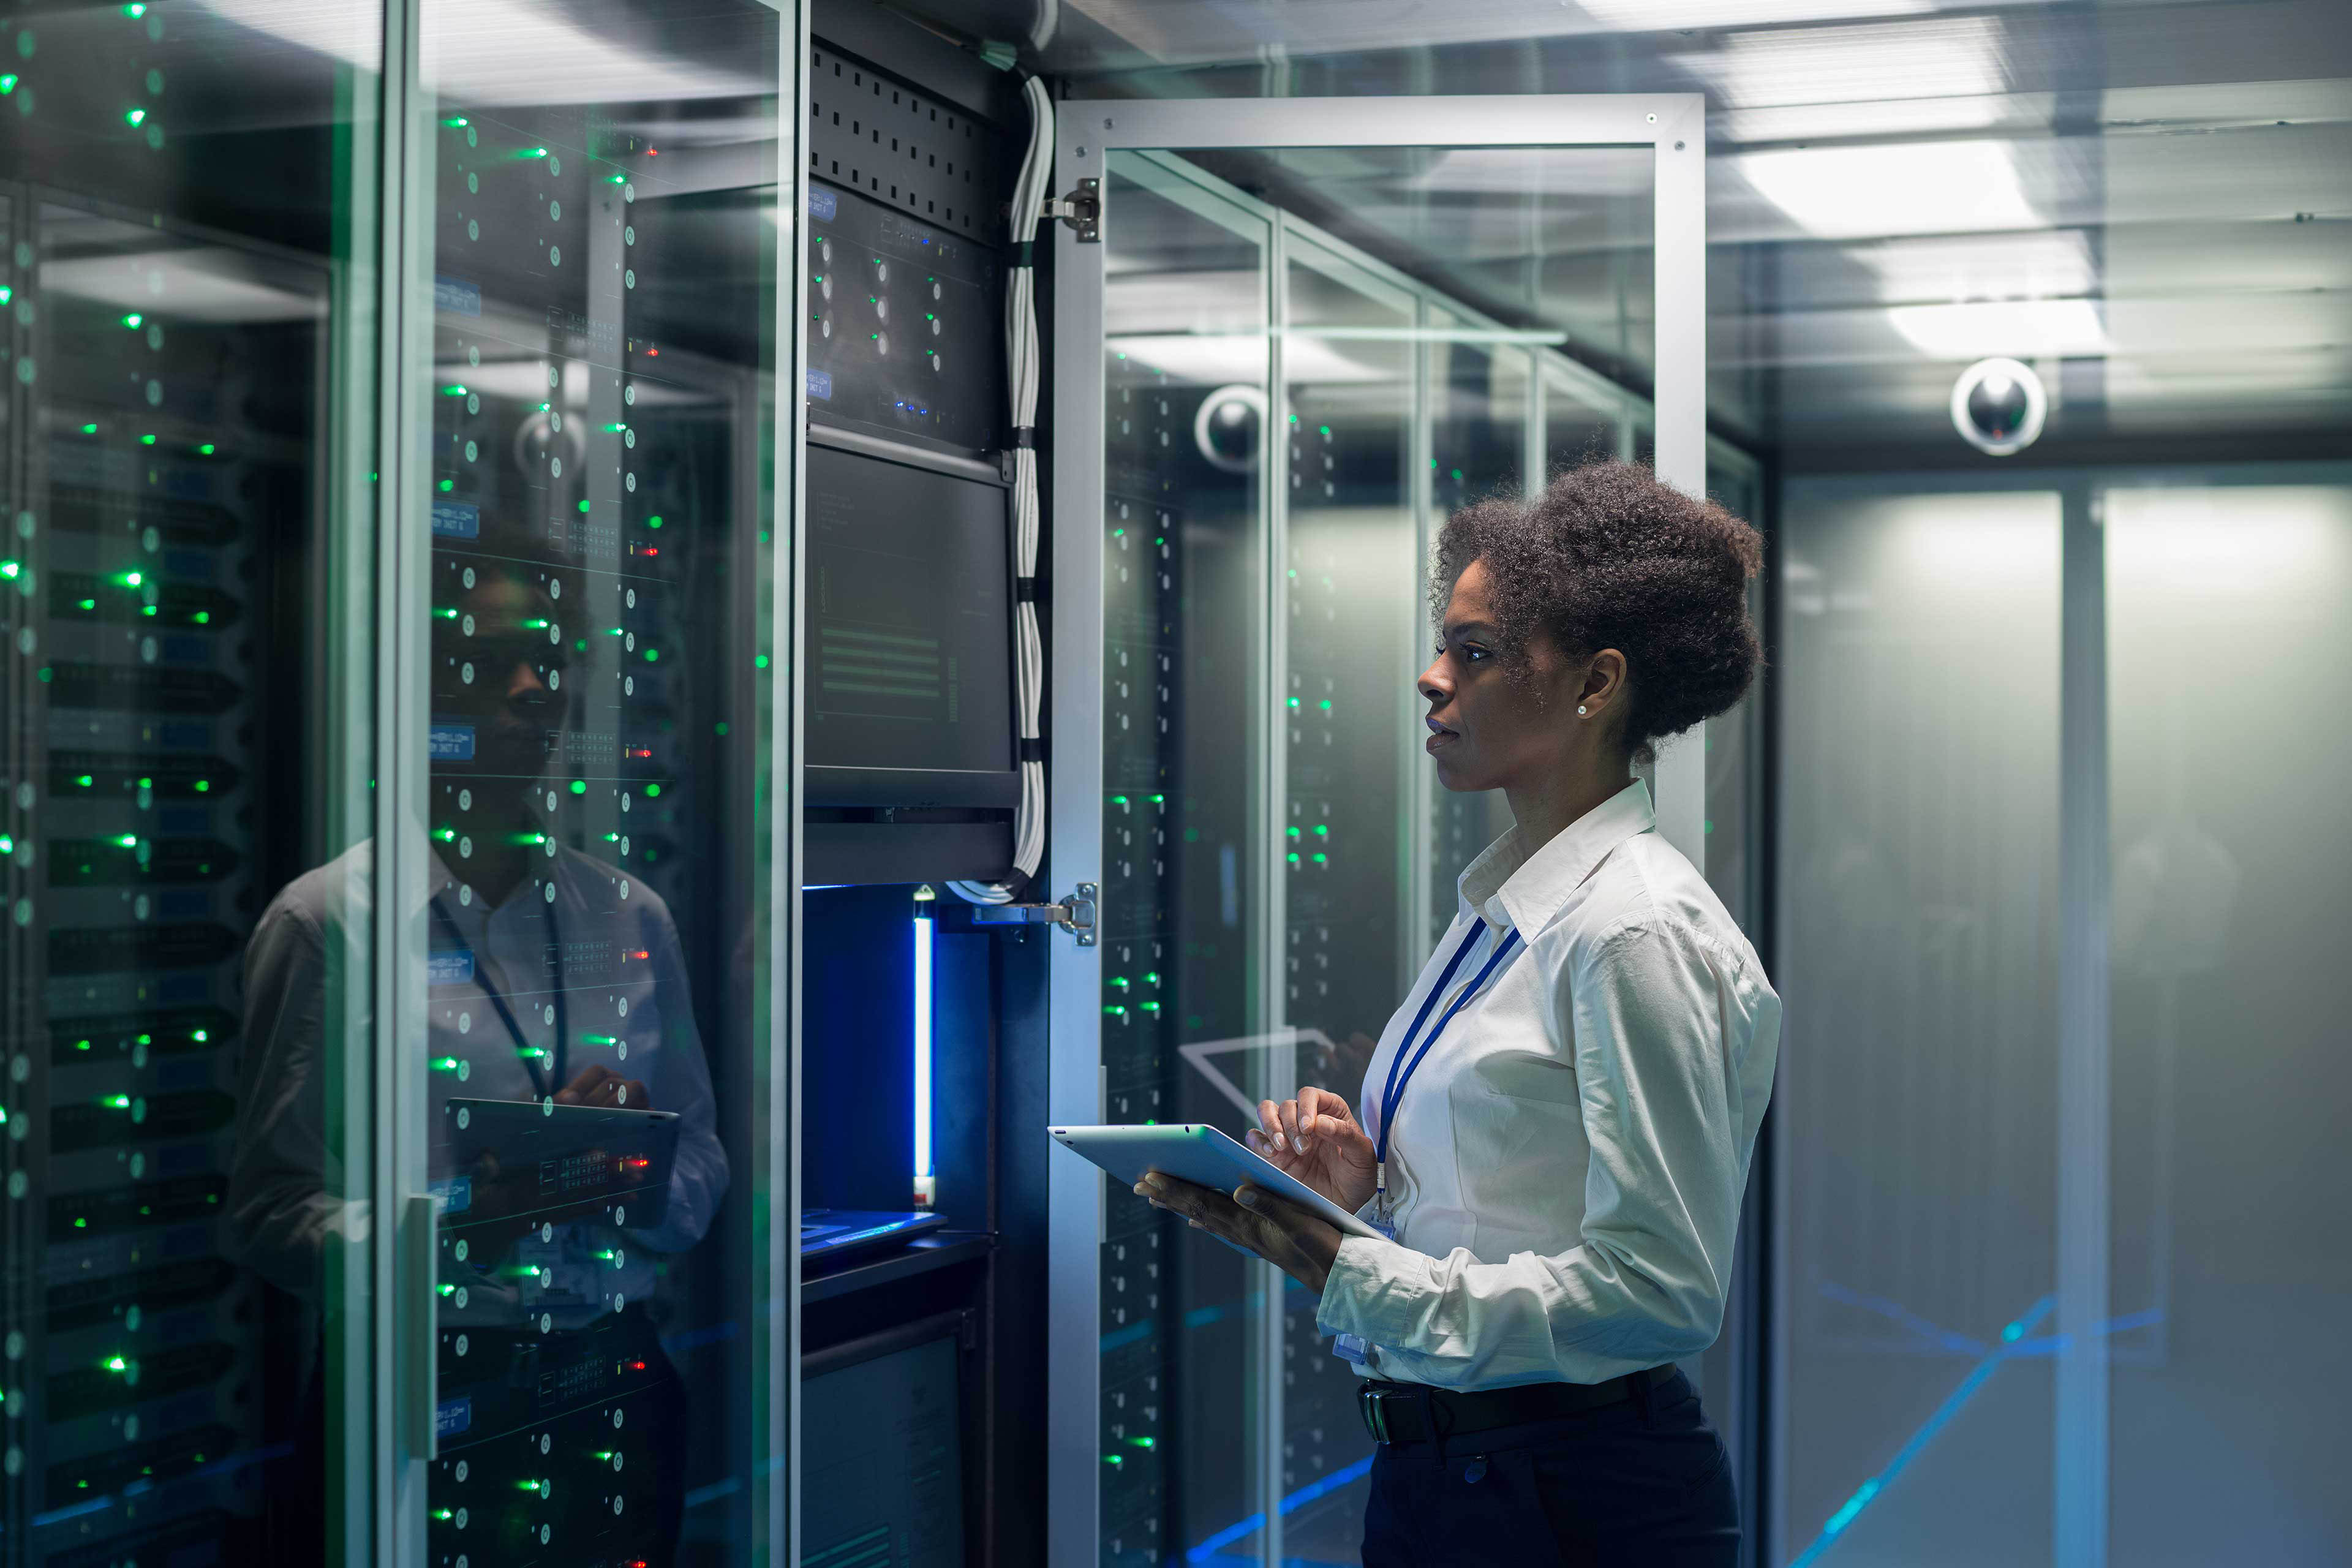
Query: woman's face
1486,729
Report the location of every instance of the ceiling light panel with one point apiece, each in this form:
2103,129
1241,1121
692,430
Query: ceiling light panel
1957,57
1859,191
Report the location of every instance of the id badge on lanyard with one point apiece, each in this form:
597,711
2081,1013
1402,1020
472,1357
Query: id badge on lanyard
1352,1348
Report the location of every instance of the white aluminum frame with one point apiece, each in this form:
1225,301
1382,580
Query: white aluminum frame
1088,132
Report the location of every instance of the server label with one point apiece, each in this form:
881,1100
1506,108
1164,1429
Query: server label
820,385
455,519
455,294
451,742
449,966
453,1416
823,203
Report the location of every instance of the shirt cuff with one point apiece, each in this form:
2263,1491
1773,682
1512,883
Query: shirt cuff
1353,1285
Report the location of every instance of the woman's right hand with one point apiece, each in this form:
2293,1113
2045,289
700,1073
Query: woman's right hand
1316,1139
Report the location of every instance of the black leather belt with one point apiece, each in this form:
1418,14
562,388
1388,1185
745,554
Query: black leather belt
1410,1412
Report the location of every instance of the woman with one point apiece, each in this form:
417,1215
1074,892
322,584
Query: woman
1557,1124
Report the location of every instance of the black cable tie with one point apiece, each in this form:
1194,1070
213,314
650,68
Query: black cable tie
1024,253
1033,751
1025,589
1024,438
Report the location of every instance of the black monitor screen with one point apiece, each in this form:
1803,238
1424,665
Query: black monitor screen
882,1472
910,633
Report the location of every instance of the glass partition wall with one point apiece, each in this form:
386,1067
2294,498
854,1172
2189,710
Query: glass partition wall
1285,422
392,503
2062,1072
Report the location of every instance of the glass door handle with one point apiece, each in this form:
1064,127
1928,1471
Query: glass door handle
418,1224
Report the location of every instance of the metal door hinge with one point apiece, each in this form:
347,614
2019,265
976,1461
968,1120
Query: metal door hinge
1074,914
1081,209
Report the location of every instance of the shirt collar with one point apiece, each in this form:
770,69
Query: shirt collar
1514,887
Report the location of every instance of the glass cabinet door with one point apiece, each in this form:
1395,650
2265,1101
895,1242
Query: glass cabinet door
1185,886
583,895
1351,617
187,319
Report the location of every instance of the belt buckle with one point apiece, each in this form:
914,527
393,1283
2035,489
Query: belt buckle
1368,1400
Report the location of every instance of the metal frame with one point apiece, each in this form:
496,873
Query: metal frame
1088,132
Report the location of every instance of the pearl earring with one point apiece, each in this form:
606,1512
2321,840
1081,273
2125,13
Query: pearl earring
1579,710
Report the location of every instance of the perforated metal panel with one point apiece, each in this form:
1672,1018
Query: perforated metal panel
873,133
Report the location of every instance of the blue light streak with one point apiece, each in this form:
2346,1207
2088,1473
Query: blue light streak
1346,1475
1976,1378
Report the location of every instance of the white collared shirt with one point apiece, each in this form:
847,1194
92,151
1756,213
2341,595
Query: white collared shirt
1567,1164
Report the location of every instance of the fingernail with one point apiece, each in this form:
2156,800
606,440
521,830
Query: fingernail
1247,1198
1278,1143
1302,1145
1139,1190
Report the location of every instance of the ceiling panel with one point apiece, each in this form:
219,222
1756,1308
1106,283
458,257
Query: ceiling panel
2159,194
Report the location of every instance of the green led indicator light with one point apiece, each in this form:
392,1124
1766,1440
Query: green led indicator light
7,84
135,9
652,790
652,654
1325,705
147,440
114,1363
533,152
448,485
87,429
1326,429
90,603
601,1039
1322,830
1294,702
758,662
579,786
1293,856
128,841
454,121
134,117
203,786
461,392
1322,859
118,1101
653,522
10,568
444,1064
134,320
206,450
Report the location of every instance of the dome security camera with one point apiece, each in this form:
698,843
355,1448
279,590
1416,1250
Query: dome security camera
1230,427
1998,405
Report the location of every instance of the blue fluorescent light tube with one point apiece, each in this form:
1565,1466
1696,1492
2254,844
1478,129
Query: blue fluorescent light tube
922,1048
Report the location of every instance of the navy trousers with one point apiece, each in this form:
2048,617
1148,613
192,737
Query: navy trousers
1644,1483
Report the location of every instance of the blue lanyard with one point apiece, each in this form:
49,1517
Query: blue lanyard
1401,1070
505,1015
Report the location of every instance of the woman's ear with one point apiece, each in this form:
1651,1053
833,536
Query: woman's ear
1603,686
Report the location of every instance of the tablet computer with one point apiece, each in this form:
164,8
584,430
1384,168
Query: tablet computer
1202,1155
513,1159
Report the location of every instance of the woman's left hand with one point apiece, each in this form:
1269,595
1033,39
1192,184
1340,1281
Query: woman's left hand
1253,1219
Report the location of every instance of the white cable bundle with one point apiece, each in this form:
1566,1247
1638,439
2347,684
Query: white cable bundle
1020,363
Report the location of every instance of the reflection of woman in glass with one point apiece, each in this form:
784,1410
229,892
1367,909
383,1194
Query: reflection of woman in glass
1557,1122
551,975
